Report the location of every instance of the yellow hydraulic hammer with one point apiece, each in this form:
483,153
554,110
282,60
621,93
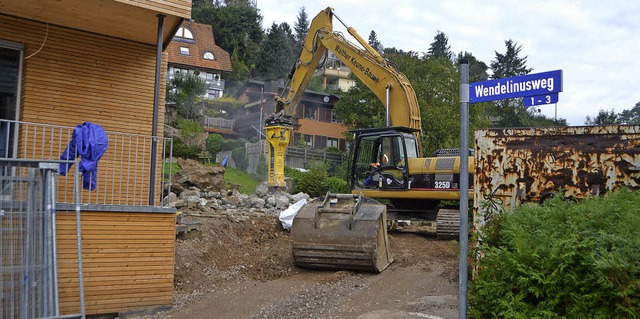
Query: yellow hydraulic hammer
278,139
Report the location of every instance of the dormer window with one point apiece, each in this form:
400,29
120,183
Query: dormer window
184,51
184,33
208,56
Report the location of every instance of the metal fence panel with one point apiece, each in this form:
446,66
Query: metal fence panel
28,254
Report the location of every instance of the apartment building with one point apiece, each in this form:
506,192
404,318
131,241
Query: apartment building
194,50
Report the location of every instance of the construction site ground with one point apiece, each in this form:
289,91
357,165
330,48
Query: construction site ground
242,268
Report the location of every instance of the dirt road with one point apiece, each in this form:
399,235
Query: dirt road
242,269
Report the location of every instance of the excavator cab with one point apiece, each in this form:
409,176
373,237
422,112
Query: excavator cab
386,164
380,158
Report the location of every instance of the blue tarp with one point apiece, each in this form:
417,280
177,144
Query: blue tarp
89,141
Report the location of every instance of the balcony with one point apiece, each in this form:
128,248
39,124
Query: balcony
215,84
341,73
123,174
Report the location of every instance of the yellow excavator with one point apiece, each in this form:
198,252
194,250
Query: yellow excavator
349,231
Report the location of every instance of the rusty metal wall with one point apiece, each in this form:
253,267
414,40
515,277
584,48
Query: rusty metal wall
517,165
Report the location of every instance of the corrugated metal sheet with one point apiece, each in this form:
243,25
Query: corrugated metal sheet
531,164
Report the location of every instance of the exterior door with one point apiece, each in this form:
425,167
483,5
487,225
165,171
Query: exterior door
10,69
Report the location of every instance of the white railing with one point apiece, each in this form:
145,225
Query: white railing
217,122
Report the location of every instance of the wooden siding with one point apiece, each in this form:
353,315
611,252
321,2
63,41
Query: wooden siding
181,8
127,260
79,76
328,129
135,20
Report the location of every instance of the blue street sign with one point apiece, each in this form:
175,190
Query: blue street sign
540,99
518,86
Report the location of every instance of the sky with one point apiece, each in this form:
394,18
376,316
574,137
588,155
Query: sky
595,43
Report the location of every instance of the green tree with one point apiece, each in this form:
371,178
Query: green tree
360,108
186,90
603,118
374,42
440,47
241,70
510,63
237,27
214,144
510,112
477,68
301,27
276,55
315,83
631,116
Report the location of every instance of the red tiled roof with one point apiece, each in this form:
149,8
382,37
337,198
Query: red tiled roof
204,42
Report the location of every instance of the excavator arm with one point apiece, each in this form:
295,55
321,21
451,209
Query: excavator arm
390,86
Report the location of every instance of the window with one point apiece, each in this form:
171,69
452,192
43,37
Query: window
332,142
296,139
10,63
325,114
208,56
176,71
334,117
308,139
184,51
310,112
184,33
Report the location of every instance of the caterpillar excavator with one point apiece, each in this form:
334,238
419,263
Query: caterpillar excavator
349,231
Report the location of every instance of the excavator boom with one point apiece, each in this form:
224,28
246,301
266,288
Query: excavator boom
390,86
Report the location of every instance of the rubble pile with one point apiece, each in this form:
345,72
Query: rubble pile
199,190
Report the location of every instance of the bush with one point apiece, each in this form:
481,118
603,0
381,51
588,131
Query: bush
332,149
562,260
314,181
189,129
295,176
239,156
180,149
262,169
337,185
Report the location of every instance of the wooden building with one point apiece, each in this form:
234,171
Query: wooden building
317,125
67,62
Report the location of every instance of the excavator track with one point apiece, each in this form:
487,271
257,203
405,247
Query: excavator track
448,223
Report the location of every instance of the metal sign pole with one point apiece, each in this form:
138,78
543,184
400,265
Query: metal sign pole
464,187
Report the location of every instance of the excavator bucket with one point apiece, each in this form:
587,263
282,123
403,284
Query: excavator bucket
344,231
